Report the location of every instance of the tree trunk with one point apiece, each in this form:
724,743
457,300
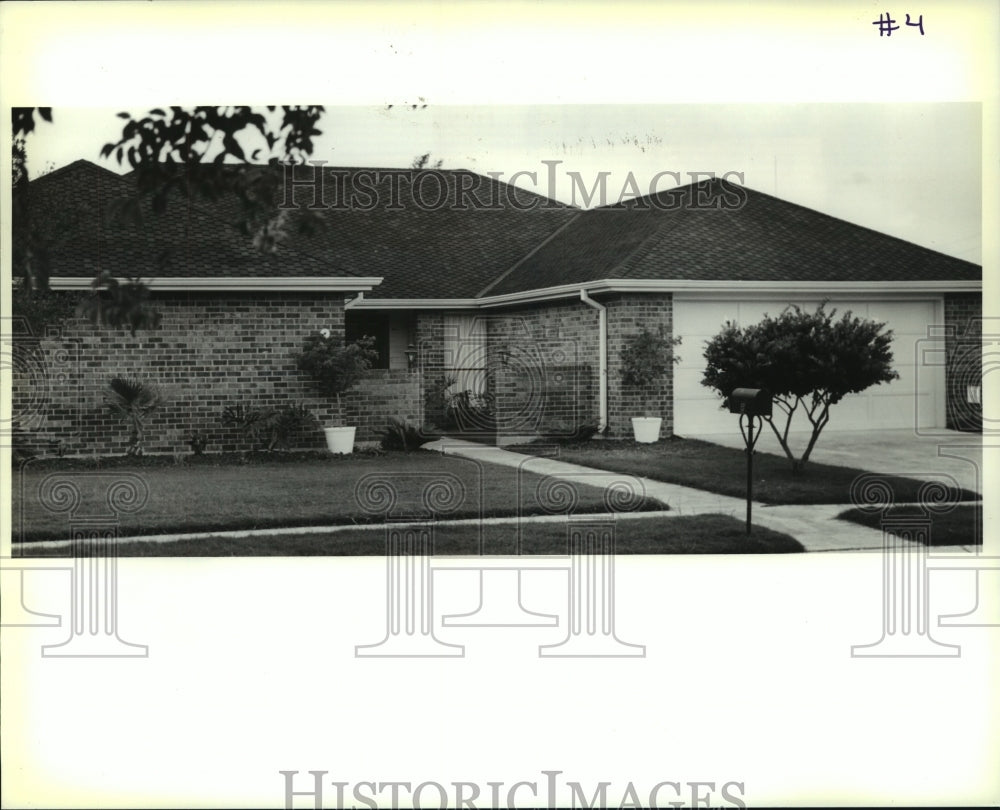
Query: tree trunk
782,442
818,426
782,437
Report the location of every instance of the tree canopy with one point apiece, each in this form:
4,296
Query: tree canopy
174,150
803,359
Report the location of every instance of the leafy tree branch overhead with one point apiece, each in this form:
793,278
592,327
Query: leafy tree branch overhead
180,150
807,360
24,119
173,150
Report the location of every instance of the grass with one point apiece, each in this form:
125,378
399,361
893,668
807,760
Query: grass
963,526
712,467
224,494
700,534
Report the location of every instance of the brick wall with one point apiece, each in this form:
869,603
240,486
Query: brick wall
549,384
963,347
211,350
384,394
430,348
627,315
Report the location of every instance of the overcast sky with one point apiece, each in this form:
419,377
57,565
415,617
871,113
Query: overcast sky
910,170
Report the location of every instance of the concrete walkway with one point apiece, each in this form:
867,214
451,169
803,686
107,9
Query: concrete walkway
814,526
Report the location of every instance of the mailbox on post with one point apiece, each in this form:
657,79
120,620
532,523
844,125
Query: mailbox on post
751,401
750,404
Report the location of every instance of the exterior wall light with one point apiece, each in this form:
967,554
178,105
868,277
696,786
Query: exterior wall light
411,357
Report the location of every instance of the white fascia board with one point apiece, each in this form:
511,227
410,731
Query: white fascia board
740,288
262,284
417,303
715,288
367,283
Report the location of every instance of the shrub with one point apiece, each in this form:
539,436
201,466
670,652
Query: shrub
466,410
401,435
582,433
22,445
334,367
249,421
269,428
436,398
288,424
566,431
197,442
646,358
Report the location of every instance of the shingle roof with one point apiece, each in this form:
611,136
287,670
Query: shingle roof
456,234
430,233
403,225
715,231
81,205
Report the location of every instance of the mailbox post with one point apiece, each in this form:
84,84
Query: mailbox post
750,404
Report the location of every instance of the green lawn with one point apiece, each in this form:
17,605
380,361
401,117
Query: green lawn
223,494
963,526
698,534
714,468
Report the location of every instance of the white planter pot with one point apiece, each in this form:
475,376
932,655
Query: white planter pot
340,439
646,428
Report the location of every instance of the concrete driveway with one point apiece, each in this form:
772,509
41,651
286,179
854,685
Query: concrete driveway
899,452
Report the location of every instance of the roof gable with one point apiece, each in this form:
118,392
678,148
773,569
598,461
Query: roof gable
718,231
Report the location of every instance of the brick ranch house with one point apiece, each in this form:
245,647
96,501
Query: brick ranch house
499,291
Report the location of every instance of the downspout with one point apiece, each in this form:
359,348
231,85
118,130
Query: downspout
602,351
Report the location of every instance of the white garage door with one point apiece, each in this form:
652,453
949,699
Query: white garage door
915,399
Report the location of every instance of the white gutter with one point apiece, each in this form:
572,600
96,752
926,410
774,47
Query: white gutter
261,284
602,354
349,284
741,288
422,303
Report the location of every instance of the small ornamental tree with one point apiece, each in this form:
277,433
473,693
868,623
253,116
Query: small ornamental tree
132,400
807,359
336,368
645,359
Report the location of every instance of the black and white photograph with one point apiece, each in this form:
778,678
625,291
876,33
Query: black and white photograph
568,409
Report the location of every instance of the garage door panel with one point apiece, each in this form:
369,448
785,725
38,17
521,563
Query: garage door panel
904,350
851,411
903,317
906,384
691,416
897,405
754,311
687,384
706,320
692,351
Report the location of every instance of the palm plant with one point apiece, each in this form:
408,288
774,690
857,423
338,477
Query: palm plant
132,400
